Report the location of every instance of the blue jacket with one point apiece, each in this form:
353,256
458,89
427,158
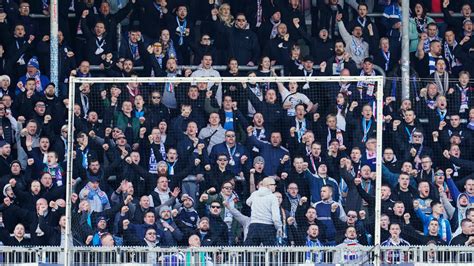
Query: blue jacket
44,83
316,183
272,155
239,151
444,231
323,209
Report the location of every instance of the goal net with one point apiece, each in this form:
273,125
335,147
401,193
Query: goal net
159,161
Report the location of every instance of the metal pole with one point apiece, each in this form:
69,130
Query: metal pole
378,170
54,58
405,50
69,167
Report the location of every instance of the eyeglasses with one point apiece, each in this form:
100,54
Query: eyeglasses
215,207
230,136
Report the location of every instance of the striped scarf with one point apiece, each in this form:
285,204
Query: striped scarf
432,62
316,257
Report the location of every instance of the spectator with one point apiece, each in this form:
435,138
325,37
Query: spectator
265,221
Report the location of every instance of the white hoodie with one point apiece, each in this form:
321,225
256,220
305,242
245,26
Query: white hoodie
265,208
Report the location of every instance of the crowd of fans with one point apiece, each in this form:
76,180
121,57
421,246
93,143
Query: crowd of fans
159,164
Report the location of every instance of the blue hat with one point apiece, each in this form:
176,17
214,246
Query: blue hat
100,218
3,143
34,62
93,178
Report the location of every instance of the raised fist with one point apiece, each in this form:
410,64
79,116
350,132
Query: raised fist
446,154
197,161
125,224
334,207
396,123
292,131
353,105
407,217
416,204
442,124
357,181
449,172
203,197
284,175
316,117
250,130
303,200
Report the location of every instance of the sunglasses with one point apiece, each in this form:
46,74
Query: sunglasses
156,97
215,207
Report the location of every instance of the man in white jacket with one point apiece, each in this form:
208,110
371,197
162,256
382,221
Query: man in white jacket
265,220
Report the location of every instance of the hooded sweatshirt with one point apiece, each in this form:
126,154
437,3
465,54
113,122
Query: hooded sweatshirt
265,208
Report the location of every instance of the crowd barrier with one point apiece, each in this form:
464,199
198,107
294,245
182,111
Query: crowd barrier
236,256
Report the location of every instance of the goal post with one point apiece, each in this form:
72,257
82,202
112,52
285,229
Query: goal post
151,82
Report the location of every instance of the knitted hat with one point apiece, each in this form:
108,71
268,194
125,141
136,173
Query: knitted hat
33,62
186,196
258,159
5,188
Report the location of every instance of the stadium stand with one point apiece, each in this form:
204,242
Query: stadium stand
165,165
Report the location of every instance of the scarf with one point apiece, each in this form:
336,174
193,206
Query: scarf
134,50
99,193
181,30
420,24
464,98
448,54
357,47
158,8
274,32
432,62
37,77
293,203
370,86
471,125
313,256
259,15
443,87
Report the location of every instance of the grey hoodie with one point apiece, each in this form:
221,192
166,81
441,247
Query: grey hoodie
265,208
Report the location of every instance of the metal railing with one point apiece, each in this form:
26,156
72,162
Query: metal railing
236,256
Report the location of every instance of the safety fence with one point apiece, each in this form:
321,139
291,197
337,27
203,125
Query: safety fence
234,256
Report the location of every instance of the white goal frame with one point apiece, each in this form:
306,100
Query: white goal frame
318,79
